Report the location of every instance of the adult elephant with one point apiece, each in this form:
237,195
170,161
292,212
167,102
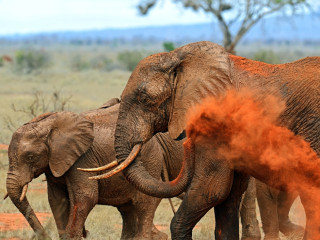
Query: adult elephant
57,144
156,98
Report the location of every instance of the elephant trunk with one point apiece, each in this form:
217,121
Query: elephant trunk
143,181
15,192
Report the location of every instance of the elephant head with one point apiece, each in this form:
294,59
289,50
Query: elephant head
50,142
156,98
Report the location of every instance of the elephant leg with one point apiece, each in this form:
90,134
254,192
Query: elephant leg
227,212
250,225
146,207
285,201
267,201
129,221
79,212
83,198
311,207
60,206
210,186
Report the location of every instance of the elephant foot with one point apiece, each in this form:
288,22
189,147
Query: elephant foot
271,236
158,235
297,234
290,229
85,233
251,232
250,238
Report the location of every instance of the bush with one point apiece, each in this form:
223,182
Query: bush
43,103
168,46
27,61
78,63
266,56
130,59
101,63
1,62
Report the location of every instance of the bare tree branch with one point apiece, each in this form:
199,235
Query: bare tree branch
246,12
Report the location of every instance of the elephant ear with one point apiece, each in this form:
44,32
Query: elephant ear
204,72
110,103
70,137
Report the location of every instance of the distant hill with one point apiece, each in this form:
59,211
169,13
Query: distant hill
299,28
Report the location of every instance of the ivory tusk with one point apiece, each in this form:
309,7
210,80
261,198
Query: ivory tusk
102,168
5,196
134,152
24,192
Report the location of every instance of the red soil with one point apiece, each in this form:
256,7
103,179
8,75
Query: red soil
3,147
16,221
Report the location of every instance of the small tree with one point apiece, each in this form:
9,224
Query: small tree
130,59
168,46
27,61
246,13
266,56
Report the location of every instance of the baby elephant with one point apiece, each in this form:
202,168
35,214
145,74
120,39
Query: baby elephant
57,144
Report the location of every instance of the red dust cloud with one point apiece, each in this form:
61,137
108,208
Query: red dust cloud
244,131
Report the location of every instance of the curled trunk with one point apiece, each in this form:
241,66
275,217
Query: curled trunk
14,192
143,181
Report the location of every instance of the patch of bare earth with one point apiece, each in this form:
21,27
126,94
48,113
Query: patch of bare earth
16,221
3,147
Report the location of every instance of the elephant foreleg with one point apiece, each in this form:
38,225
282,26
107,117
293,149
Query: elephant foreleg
227,212
311,207
285,201
82,200
210,186
129,221
267,201
79,212
60,206
250,225
146,207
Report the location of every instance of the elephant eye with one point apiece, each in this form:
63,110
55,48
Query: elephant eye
30,157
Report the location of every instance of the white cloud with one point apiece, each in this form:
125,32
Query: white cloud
20,16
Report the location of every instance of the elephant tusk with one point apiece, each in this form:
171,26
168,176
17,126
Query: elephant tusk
24,192
102,168
134,152
5,196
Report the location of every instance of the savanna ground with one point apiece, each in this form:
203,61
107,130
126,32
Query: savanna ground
79,78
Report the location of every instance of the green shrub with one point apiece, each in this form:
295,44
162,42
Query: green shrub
1,62
27,61
130,59
168,46
267,56
78,63
101,63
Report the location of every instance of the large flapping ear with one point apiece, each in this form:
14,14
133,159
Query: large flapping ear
70,137
204,72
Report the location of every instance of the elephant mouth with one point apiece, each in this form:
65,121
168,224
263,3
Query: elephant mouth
133,154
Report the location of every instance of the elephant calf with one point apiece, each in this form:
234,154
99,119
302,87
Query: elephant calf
57,144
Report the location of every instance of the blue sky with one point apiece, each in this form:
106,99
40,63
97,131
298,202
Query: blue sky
24,16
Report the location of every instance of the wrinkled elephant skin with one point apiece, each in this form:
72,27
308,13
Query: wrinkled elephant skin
57,144
164,86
